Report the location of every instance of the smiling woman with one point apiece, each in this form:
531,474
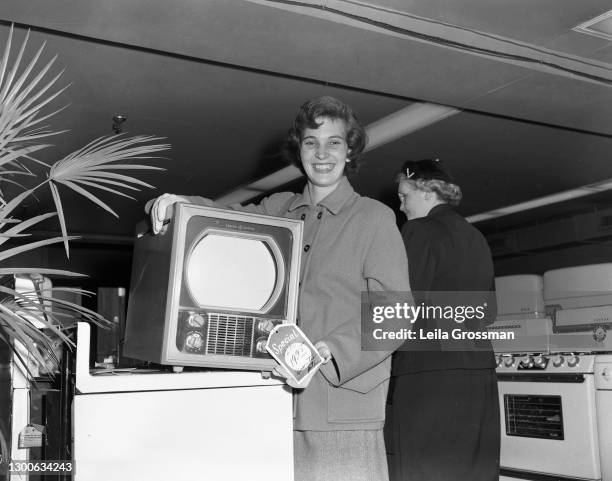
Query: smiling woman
351,245
324,154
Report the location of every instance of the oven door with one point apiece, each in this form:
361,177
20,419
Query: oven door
548,425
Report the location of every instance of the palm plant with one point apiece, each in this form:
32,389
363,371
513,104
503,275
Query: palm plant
33,322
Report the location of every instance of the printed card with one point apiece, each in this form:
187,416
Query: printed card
293,351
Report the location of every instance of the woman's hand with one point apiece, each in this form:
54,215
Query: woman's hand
160,209
324,352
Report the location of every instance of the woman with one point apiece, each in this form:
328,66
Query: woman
351,245
445,412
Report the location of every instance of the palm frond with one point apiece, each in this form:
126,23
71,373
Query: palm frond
15,172
15,328
32,305
88,195
88,167
9,155
27,87
35,270
15,202
22,98
33,245
26,224
99,185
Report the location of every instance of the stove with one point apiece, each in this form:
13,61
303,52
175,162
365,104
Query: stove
549,416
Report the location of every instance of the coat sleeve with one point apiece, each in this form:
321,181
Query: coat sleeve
422,251
385,269
273,205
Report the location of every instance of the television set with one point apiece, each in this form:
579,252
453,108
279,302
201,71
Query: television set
209,289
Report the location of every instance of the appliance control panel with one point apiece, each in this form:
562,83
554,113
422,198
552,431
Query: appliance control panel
223,334
550,363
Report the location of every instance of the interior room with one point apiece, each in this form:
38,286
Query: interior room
514,97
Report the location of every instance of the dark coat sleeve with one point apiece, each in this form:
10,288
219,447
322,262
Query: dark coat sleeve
425,253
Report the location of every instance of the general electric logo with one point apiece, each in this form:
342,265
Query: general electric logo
298,356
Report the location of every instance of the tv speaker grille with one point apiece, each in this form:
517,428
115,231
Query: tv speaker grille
230,335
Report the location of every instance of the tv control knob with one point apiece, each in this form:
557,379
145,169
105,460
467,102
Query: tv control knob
194,342
558,360
539,361
509,361
573,361
195,319
260,347
265,326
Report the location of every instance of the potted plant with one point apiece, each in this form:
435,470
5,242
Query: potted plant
30,322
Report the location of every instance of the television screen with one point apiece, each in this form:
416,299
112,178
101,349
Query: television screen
245,273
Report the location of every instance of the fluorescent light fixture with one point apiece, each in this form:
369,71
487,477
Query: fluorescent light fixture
403,122
542,201
261,186
600,26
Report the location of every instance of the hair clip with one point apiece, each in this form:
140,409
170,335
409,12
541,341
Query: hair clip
408,173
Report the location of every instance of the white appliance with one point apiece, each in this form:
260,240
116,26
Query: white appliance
556,404
580,302
218,425
603,399
20,412
520,310
549,418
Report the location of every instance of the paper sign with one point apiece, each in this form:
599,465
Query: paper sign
31,436
293,351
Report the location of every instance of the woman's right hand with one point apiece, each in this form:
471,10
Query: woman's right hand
160,209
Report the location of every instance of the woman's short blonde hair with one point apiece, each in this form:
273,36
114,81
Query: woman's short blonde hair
447,192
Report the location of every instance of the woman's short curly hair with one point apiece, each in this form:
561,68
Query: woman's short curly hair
331,108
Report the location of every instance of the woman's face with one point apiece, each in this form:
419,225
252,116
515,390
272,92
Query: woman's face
324,152
413,201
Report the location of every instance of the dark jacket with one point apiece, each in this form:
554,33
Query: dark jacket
446,253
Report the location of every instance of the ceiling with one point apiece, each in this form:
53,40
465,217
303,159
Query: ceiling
222,80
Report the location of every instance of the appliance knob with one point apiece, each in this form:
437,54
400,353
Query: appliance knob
527,361
265,326
573,361
194,342
195,319
499,361
260,347
539,361
558,361
509,361
599,334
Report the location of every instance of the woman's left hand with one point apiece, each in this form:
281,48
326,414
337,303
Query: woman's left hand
324,352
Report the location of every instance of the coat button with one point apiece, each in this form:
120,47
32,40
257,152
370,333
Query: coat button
303,216
306,247
319,215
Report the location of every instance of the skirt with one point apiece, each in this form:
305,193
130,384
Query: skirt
340,456
444,426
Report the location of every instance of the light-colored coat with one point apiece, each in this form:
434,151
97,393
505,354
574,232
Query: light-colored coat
351,245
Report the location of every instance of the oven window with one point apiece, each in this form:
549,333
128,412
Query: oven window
533,416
